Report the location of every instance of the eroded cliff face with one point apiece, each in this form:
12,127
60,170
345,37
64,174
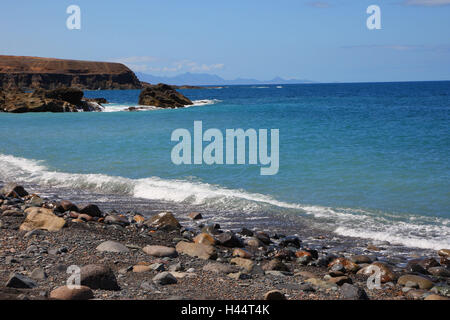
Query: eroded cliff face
28,73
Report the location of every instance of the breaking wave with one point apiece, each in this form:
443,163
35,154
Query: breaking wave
409,230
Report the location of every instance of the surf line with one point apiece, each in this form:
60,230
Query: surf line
188,151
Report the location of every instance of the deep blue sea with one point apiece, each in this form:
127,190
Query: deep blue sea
370,160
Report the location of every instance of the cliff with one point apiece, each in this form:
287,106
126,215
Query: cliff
28,73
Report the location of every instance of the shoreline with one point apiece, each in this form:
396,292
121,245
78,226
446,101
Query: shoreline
305,265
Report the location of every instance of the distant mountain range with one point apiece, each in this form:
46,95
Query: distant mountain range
205,79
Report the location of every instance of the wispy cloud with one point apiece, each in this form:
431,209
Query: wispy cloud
319,4
154,64
428,3
442,48
397,47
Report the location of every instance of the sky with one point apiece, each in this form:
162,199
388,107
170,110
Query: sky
324,41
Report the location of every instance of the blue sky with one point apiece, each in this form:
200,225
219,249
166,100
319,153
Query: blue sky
323,41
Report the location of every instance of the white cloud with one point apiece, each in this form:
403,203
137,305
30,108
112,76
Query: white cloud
396,47
151,64
428,3
135,59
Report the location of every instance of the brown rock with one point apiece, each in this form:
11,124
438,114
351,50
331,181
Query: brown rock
219,268
139,219
195,216
19,190
91,210
66,293
141,268
205,238
242,253
66,205
98,277
198,250
340,280
274,295
229,239
444,253
436,297
387,275
275,265
160,251
246,264
421,282
85,217
254,242
346,263
41,218
163,221
163,96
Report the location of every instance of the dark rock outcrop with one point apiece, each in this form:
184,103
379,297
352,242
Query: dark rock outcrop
58,100
29,73
163,96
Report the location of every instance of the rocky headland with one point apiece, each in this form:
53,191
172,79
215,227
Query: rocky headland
29,73
128,255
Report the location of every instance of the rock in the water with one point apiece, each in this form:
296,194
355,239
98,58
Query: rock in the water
17,189
229,239
41,218
163,221
162,96
112,246
18,280
352,292
421,282
164,278
76,293
98,277
92,210
198,250
195,216
160,251
444,253
274,295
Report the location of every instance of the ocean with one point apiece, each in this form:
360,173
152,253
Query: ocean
367,160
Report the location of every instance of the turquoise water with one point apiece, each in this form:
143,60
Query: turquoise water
369,160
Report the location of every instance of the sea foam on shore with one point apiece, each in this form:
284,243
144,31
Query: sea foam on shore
411,231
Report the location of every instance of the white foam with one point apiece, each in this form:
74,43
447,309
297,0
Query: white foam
115,107
412,231
205,102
